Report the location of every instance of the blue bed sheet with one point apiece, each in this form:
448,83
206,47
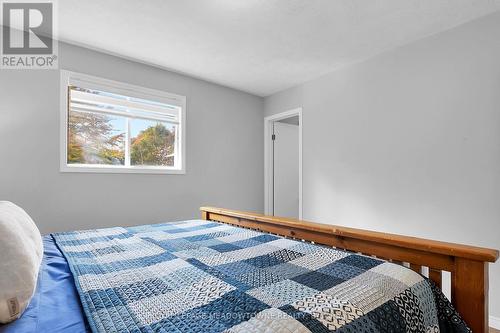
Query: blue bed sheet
55,307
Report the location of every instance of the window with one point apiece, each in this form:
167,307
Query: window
108,126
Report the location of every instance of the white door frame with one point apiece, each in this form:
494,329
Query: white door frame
268,158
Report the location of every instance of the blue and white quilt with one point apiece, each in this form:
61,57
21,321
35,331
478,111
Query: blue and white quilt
203,276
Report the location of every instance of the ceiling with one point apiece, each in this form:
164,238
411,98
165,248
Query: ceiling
258,46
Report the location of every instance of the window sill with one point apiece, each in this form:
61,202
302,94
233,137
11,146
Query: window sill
118,169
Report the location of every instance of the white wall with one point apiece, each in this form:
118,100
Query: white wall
409,141
224,142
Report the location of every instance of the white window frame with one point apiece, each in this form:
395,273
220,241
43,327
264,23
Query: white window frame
71,78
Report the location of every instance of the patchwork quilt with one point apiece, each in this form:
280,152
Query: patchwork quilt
203,276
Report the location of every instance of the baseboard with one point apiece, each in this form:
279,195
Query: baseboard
495,322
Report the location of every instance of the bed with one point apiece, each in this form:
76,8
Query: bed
244,272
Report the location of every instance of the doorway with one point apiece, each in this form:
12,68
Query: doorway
283,164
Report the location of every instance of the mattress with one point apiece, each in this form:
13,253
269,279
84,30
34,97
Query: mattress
203,276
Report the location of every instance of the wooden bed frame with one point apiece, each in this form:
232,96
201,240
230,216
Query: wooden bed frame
468,265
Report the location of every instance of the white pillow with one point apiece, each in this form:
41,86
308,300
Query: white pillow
21,251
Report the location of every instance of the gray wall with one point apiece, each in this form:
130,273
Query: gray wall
224,151
285,158
409,142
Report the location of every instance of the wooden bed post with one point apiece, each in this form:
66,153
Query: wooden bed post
470,293
468,265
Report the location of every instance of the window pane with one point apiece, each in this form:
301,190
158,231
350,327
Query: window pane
95,138
152,143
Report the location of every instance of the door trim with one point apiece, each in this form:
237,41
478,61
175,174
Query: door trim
268,160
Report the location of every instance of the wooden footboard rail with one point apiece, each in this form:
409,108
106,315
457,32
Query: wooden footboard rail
468,265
